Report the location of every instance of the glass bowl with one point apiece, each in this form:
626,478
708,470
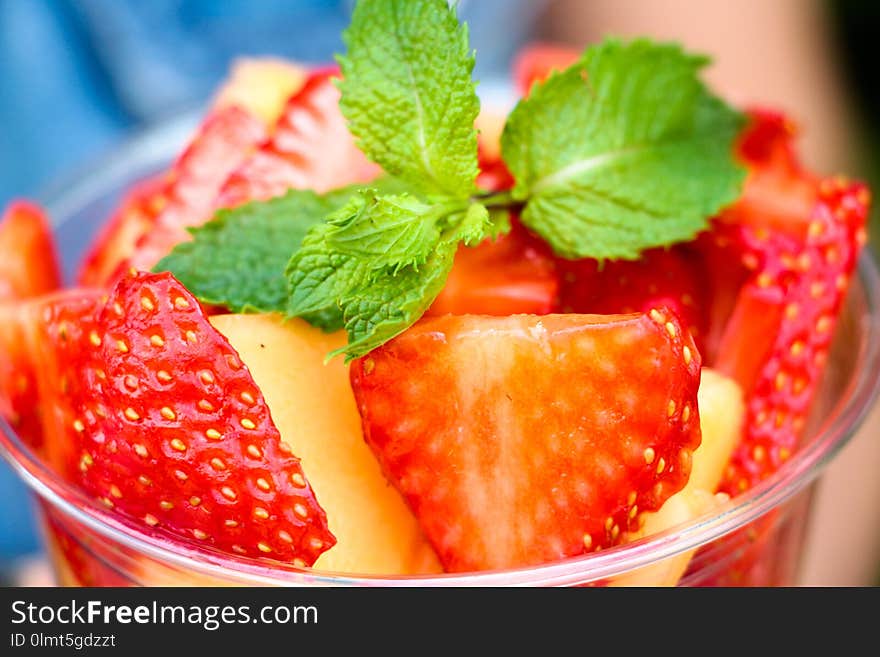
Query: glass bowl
755,539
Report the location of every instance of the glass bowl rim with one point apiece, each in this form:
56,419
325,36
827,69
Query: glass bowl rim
104,175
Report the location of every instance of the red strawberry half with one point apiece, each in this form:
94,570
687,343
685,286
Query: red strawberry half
780,261
116,242
514,273
223,142
150,410
28,260
525,439
310,148
28,268
660,277
536,61
777,339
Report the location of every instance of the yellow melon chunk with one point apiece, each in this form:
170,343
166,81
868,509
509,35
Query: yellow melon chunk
314,409
722,410
490,125
261,86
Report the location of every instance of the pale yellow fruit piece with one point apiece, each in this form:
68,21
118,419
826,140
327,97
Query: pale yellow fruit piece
680,508
261,86
722,411
314,409
490,125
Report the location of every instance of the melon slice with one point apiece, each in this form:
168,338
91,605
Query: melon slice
314,409
722,410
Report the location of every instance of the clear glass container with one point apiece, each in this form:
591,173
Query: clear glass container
754,539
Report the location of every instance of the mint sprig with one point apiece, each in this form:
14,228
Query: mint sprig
376,265
237,260
624,151
408,95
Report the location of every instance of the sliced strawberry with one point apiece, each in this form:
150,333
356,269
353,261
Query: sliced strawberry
777,339
28,259
536,61
494,175
512,274
28,268
150,410
778,264
526,439
779,194
117,240
19,401
660,277
310,148
223,141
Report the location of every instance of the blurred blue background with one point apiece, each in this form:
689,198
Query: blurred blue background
77,75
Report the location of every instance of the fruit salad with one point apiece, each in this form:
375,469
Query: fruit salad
362,325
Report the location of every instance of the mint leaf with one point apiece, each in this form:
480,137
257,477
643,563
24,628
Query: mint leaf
348,268
379,261
317,278
408,95
237,259
472,225
369,237
382,309
387,231
624,151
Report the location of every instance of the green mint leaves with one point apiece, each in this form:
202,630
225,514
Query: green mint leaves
408,95
624,151
237,260
375,266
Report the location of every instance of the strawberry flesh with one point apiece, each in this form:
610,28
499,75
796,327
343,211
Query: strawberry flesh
223,142
150,410
660,277
134,217
777,340
537,61
514,273
522,440
310,148
28,268
779,264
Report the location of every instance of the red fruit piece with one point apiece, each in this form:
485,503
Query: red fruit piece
73,551
28,260
494,175
116,242
779,263
524,440
660,277
536,61
28,268
777,339
779,194
514,273
19,401
153,413
221,144
310,148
